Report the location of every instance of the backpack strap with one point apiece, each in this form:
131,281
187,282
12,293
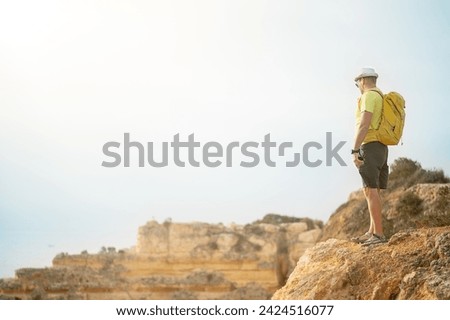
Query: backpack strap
382,106
378,91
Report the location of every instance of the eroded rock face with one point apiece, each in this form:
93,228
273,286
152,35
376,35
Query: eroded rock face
412,265
177,261
262,242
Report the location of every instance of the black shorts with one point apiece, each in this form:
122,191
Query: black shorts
374,171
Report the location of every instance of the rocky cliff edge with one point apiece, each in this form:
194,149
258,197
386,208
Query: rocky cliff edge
414,264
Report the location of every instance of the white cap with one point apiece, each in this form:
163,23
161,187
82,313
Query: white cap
367,72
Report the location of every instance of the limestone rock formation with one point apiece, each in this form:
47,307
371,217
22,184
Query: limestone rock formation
414,264
177,261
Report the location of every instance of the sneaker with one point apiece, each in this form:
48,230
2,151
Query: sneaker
374,239
366,236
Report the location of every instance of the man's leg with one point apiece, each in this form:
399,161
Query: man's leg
372,224
371,227
374,203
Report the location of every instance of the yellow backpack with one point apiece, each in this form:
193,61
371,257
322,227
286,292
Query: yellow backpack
392,121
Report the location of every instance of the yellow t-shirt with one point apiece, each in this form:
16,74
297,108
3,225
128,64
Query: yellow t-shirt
370,101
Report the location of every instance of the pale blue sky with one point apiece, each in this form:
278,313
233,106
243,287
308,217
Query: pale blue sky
76,74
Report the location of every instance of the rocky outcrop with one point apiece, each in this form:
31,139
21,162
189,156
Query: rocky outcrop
414,264
177,261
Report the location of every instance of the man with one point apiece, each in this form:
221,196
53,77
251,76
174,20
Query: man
370,155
